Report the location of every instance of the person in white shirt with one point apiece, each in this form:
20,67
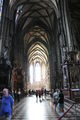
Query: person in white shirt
55,96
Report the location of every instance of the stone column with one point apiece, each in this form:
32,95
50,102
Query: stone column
52,60
67,25
5,29
64,34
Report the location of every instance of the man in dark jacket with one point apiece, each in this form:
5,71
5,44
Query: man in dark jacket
61,101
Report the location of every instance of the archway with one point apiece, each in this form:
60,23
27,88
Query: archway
34,25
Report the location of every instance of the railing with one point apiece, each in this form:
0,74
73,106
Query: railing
66,112
74,103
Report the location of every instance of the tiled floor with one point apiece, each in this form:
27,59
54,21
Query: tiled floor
29,109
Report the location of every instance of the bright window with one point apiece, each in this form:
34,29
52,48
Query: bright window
37,72
31,73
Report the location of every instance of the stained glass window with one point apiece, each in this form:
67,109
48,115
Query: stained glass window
38,72
31,73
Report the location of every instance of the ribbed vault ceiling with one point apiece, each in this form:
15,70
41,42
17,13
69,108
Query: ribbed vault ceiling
34,22
36,42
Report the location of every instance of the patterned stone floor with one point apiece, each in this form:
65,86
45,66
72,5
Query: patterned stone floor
29,109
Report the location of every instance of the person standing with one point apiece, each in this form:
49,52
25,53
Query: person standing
40,93
19,95
45,93
61,101
36,95
7,104
55,96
